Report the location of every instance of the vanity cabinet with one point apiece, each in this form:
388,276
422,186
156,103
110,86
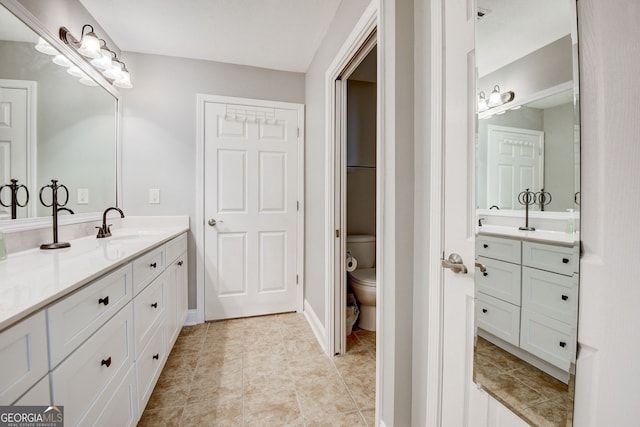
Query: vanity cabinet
99,351
23,351
528,297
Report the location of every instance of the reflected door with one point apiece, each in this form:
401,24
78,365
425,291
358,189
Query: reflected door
250,210
15,116
515,163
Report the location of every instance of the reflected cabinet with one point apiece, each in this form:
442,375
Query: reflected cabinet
527,301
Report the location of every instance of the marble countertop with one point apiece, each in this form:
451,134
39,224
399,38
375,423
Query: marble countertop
541,236
32,279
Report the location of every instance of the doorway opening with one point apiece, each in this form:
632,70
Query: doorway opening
354,164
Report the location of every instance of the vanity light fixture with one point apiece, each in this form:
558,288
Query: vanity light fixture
99,56
44,47
496,99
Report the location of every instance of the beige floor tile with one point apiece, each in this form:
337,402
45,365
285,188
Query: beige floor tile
266,356
297,349
356,363
169,392
328,397
188,344
210,367
220,387
369,416
258,380
181,365
195,330
363,390
312,370
226,413
339,420
165,417
268,409
548,413
229,328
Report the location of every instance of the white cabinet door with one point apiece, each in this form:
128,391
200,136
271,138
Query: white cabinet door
251,187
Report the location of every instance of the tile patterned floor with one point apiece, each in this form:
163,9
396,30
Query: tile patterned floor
263,371
535,396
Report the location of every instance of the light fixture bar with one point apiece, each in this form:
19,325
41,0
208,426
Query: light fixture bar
100,57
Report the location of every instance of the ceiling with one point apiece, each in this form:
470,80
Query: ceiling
512,29
276,34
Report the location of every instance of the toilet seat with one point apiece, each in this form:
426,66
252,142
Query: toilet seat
364,277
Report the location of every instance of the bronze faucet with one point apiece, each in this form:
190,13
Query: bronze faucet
105,230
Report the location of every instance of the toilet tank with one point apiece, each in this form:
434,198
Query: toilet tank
363,249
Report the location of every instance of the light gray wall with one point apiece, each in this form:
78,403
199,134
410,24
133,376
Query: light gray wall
315,281
361,153
159,128
544,68
559,159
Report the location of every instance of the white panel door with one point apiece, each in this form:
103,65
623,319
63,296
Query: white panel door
515,162
14,152
251,170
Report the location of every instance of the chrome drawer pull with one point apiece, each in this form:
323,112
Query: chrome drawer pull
156,356
154,265
106,362
563,344
565,297
154,305
565,260
104,300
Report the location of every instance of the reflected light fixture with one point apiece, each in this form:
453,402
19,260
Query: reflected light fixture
496,99
100,57
44,47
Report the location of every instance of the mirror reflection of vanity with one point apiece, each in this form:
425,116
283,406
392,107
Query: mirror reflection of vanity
527,281
52,126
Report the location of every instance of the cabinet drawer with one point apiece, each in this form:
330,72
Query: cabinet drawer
498,248
149,309
39,394
117,406
146,268
498,317
75,318
176,247
550,294
548,339
557,259
149,365
23,352
108,354
501,280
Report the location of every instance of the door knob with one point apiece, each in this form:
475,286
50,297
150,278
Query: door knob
454,262
212,222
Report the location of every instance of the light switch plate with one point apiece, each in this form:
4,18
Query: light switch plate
154,196
83,196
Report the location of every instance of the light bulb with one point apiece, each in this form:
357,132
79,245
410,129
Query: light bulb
44,47
88,81
482,103
104,62
62,61
115,72
124,81
90,46
75,71
495,99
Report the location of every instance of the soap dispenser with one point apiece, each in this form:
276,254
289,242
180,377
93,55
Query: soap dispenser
570,222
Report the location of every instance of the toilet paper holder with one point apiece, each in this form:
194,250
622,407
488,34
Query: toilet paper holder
350,262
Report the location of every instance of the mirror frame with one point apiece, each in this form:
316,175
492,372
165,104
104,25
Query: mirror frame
31,21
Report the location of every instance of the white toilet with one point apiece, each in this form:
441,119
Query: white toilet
363,278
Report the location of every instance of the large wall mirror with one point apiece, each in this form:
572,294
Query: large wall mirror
53,125
527,200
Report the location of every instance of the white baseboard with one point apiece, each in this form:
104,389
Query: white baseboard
382,424
192,317
316,325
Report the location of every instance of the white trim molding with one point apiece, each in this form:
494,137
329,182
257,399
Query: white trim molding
198,229
316,325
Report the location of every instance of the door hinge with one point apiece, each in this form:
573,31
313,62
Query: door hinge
296,279
338,234
298,132
297,205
